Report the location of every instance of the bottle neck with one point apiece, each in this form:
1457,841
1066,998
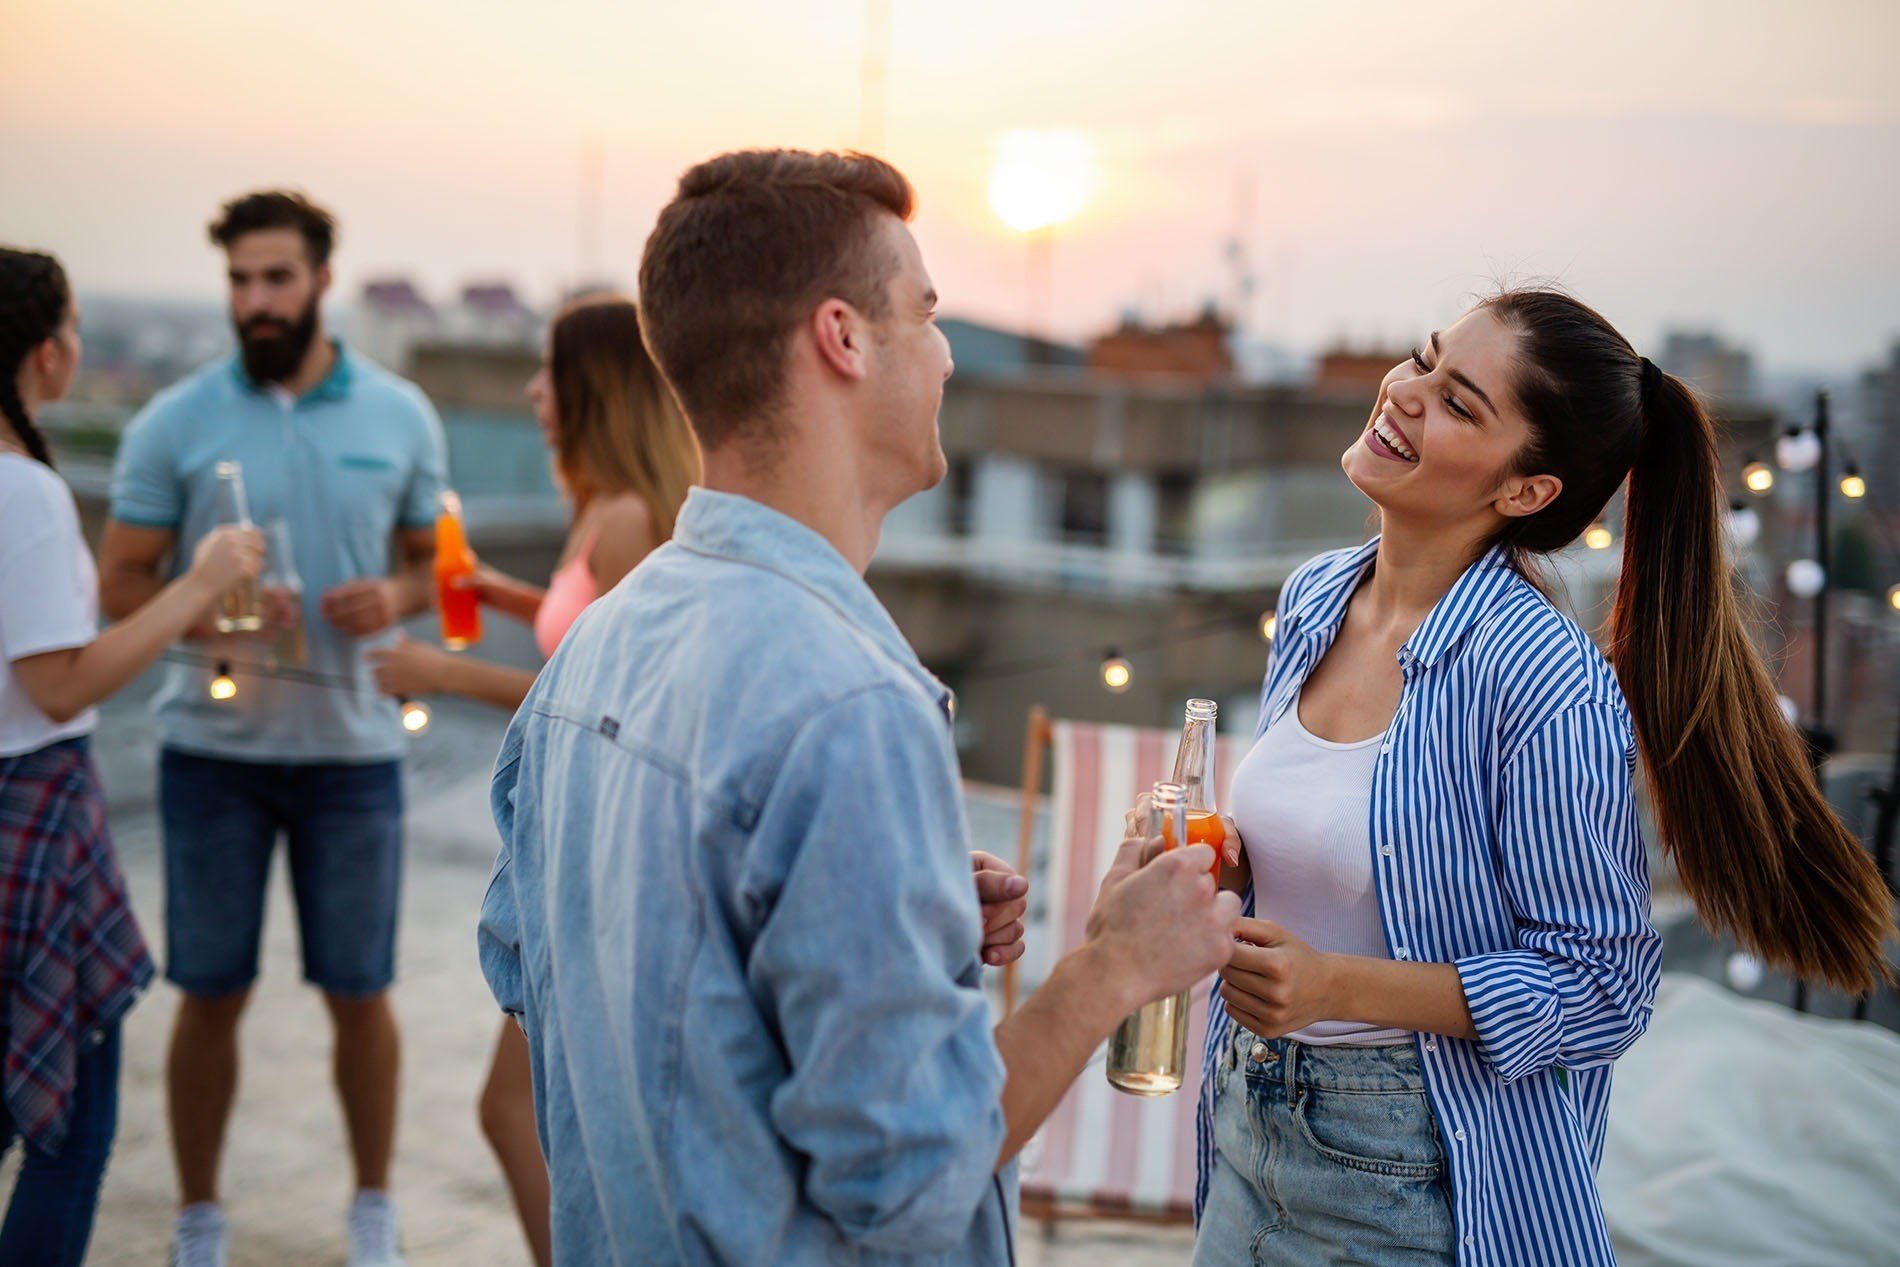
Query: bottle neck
1194,765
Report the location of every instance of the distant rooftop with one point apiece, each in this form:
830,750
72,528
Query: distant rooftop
987,351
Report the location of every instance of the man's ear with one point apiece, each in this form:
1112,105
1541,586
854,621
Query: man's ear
839,333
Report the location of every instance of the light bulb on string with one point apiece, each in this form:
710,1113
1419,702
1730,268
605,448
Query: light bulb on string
1853,487
1806,578
1758,476
1117,674
1598,537
1268,624
1744,525
223,686
1798,450
1893,598
415,715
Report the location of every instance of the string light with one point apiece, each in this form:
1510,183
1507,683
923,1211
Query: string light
1268,623
1853,487
1598,538
1798,450
1758,476
1117,675
415,715
223,686
1893,598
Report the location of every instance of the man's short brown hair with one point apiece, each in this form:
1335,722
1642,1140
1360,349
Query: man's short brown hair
749,246
276,209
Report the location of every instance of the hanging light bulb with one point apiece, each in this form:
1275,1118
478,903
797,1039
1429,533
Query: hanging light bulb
1117,674
1853,487
1806,578
223,686
1598,537
1268,623
1758,476
1798,450
1744,525
1893,598
415,715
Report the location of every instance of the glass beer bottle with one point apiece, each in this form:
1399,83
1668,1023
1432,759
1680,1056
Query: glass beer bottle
280,575
459,604
1194,771
241,610
1147,1055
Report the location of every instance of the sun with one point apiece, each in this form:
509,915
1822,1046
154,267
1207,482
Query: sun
1041,179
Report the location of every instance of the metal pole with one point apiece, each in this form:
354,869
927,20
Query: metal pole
1888,799
1820,738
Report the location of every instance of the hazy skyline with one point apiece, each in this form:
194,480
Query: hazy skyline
1727,166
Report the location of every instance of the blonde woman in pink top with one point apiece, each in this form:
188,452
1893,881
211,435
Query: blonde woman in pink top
624,459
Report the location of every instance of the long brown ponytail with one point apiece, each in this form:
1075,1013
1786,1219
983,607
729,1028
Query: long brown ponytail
33,302
1760,852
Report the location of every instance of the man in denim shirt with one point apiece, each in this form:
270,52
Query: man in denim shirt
733,908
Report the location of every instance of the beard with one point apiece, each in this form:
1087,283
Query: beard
273,352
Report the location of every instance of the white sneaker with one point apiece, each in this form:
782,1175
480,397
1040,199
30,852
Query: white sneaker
200,1237
375,1237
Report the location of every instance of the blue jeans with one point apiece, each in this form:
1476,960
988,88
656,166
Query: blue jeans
344,828
55,1197
1324,1156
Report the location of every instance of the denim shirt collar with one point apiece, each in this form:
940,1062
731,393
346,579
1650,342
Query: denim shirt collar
730,526
1321,610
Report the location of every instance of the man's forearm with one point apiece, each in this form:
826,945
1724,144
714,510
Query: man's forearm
123,590
1047,1041
414,587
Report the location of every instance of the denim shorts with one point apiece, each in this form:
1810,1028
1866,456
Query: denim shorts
1324,1155
222,819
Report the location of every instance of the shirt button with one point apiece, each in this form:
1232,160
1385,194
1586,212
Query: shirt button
1258,1052
1387,851
1431,1046
1386,746
1459,1136
1403,953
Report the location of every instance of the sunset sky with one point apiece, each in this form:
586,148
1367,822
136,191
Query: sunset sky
1733,165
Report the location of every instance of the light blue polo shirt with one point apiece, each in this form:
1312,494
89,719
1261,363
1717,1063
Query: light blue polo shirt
345,465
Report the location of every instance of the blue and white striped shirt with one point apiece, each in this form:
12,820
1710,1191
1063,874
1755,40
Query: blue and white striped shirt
1505,841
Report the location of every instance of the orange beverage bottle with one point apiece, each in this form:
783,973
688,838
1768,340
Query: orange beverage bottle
1204,827
1194,771
459,604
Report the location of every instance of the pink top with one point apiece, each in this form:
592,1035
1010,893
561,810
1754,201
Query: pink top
570,589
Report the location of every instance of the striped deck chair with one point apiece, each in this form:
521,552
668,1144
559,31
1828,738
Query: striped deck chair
1102,1153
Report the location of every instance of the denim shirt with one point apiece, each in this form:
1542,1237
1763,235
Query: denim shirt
734,914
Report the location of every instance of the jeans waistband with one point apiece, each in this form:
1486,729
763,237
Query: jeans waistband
1329,1068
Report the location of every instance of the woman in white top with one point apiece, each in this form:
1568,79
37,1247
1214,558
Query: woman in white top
72,961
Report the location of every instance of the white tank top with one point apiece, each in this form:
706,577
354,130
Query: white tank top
1303,806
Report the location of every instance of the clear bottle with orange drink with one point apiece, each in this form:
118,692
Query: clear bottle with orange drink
1194,771
456,599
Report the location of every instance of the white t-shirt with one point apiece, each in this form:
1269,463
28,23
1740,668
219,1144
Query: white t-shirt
1303,807
49,595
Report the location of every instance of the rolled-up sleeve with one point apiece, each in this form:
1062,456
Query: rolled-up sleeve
498,936
868,967
1578,988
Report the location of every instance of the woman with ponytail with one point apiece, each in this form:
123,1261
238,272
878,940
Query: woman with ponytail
72,961
1448,914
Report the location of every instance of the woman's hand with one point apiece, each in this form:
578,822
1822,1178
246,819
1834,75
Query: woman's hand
406,668
226,557
1276,983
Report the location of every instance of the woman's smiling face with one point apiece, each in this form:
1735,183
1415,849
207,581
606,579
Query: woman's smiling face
1443,439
